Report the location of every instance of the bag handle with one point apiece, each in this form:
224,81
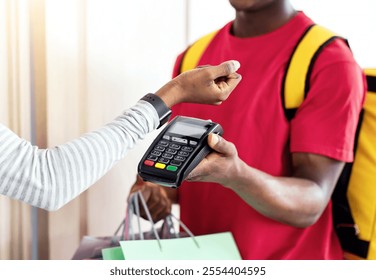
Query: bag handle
128,225
128,228
116,237
185,228
134,202
134,209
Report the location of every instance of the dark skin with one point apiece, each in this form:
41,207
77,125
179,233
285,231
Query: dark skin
298,200
258,17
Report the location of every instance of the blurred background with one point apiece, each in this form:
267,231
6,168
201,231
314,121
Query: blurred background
70,66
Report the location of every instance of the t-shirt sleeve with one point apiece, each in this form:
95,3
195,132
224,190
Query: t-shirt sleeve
326,122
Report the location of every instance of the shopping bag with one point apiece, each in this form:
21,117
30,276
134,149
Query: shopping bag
165,231
218,246
113,250
168,244
91,247
114,253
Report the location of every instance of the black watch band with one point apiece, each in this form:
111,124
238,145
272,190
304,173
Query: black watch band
164,112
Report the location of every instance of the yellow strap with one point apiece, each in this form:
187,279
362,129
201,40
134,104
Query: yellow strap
370,72
371,79
195,51
299,65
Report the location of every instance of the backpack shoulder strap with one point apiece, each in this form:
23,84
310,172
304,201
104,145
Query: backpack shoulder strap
370,102
193,54
296,81
371,79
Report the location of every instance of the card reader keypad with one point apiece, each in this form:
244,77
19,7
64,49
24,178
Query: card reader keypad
170,153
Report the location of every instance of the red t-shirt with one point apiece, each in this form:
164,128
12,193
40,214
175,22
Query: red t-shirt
253,119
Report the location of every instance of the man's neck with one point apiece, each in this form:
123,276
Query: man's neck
262,21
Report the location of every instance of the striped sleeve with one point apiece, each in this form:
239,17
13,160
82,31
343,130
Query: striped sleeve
50,178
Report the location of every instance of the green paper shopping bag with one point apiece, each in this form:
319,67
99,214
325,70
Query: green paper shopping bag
218,246
114,253
186,246
165,231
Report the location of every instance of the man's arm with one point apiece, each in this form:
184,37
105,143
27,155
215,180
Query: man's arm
298,200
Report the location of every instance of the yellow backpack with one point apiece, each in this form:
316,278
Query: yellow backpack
354,198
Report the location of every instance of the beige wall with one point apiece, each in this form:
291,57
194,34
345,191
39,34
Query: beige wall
15,237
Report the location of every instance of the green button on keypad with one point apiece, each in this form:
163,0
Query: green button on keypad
171,168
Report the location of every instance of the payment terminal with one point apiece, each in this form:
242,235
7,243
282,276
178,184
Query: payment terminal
177,150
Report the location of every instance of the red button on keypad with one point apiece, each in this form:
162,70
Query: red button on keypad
149,162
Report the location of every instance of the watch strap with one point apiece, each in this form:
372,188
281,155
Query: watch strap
164,112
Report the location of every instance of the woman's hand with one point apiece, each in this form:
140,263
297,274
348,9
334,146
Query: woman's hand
206,85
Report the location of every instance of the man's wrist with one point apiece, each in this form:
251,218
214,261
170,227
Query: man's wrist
163,111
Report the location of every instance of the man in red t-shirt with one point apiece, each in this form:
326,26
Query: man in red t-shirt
271,184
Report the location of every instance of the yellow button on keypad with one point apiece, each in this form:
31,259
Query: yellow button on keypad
160,165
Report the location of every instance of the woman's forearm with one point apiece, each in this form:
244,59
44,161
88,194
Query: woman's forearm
50,178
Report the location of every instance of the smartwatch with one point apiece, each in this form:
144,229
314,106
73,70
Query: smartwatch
164,112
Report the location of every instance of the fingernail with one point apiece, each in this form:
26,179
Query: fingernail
214,139
236,65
